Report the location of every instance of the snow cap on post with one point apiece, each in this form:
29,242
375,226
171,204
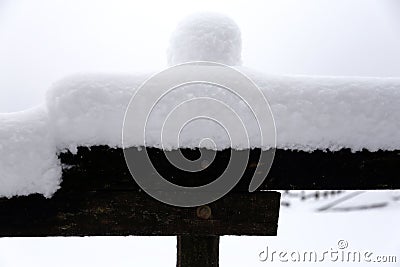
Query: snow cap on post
206,37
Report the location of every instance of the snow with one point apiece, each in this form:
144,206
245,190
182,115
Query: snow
206,37
302,229
327,113
28,160
299,230
310,112
333,112
343,201
84,110
88,109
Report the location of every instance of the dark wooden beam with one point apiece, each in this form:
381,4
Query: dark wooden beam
197,251
123,213
99,197
318,170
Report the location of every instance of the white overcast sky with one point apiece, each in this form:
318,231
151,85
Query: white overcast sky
43,40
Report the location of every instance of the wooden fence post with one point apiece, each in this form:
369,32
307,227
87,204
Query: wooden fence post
193,251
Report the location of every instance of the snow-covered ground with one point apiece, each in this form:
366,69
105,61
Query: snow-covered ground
300,230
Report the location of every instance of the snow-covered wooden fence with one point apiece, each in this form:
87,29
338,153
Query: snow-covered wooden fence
332,133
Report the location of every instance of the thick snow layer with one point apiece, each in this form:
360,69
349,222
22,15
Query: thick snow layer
89,109
333,112
206,37
28,160
310,113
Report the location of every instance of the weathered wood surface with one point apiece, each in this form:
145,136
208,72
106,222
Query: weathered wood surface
98,196
301,170
122,213
197,251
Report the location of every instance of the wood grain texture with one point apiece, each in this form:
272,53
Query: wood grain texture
98,196
197,251
123,213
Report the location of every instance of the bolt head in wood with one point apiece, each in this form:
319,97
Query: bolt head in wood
204,212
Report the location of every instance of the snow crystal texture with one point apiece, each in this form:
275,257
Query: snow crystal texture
89,109
310,113
28,159
333,112
206,37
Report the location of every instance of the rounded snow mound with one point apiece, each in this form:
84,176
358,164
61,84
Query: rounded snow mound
206,37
